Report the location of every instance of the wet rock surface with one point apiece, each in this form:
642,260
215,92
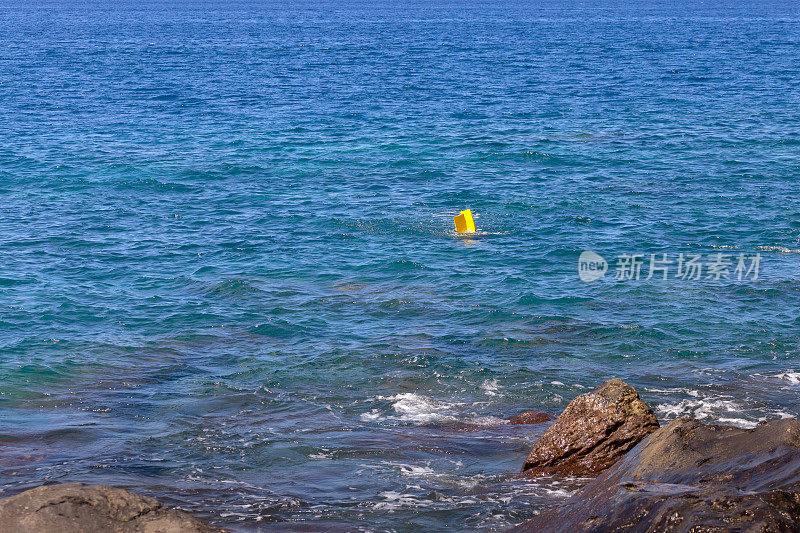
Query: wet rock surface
530,417
693,477
594,432
75,507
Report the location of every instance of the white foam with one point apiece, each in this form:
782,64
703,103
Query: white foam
414,408
558,493
321,455
781,249
417,408
790,376
490,387
486,421
415,470
420,409
395,500
672,390
739,422
372,416
711,408
476,233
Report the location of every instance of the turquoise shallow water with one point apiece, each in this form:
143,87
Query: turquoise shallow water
228,276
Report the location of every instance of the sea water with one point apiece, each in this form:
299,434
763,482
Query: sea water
229,276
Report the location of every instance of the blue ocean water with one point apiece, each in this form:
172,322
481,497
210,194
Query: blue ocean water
228,272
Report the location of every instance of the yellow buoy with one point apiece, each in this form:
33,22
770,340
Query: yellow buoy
464,222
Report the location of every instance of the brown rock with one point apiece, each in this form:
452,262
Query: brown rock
530,417
691,477
594,432
79,508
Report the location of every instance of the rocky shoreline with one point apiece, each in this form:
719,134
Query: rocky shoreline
592,433
75,507
686,476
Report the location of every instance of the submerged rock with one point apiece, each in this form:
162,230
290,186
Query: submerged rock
594,432
530,417
692,477
79,508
